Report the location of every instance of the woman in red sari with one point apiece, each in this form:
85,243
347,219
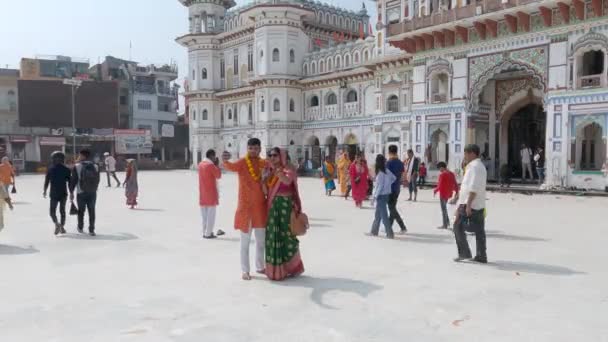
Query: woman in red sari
282,247
358,177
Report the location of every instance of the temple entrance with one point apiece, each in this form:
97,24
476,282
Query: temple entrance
351,146
526,126
439,149
332,145
313,153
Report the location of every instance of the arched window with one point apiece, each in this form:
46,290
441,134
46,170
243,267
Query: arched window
356,58
347,61
331,99
261,53
292,56
305,69
439,87
313,68
338,62
292,105
193,115
204,73
229,114
321,67
392,104
314,101
329,64
193,75
365,55
275,55
351,96
590,68
205,115
262,106
589,148
276,105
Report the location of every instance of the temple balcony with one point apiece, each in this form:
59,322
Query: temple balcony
483,20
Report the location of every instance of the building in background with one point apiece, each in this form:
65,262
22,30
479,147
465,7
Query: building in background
148,102
503,73
435,76
143,98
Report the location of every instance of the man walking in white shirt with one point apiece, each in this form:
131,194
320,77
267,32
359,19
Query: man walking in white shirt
110,163
526,162
471,207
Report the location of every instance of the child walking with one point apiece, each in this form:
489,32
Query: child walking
446,186
422,174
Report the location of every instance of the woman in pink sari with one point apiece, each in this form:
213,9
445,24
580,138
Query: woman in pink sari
358,176
282,247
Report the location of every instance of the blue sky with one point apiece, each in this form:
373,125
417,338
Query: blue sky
93,29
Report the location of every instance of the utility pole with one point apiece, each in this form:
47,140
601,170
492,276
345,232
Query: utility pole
74,84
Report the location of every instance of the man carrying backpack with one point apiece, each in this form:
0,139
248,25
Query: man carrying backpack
85,178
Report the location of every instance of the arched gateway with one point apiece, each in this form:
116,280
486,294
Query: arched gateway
507,111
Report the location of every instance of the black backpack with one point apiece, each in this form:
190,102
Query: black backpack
89,178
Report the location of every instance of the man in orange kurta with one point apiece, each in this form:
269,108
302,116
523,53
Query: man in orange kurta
252,211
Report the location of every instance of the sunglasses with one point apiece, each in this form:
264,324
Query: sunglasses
272,155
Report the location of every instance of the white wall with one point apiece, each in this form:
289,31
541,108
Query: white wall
558,60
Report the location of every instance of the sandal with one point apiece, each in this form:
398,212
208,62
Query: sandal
246,276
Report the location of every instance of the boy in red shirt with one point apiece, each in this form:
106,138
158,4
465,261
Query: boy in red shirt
422,174
446,186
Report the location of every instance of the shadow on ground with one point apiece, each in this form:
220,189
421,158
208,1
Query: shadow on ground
102,237
321,286
148,209
21,203
529,267
496,234
312,219
16,250
425,238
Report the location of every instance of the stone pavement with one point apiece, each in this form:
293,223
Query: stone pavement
148,276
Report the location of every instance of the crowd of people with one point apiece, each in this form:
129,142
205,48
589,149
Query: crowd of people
62,181
390,175
269,203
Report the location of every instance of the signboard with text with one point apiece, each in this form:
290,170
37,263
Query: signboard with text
133,141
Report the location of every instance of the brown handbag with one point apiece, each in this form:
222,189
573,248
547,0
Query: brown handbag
299,223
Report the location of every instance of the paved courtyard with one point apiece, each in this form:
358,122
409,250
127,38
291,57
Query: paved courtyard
148,276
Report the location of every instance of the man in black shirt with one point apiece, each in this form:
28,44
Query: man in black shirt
58,176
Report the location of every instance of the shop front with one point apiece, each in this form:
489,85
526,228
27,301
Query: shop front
18,155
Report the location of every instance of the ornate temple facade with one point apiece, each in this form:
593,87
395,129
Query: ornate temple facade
433,76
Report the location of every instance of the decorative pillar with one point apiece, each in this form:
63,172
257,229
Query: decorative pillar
492,140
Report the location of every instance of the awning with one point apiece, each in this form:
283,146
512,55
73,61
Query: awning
20,138
52,141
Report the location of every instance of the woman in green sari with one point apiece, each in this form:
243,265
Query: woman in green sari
282,247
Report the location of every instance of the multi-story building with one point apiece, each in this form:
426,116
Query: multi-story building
116,69
21,144
503,73
435,76
257,71
148,97
154,97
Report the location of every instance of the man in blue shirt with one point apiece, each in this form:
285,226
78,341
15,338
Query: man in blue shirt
397,168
